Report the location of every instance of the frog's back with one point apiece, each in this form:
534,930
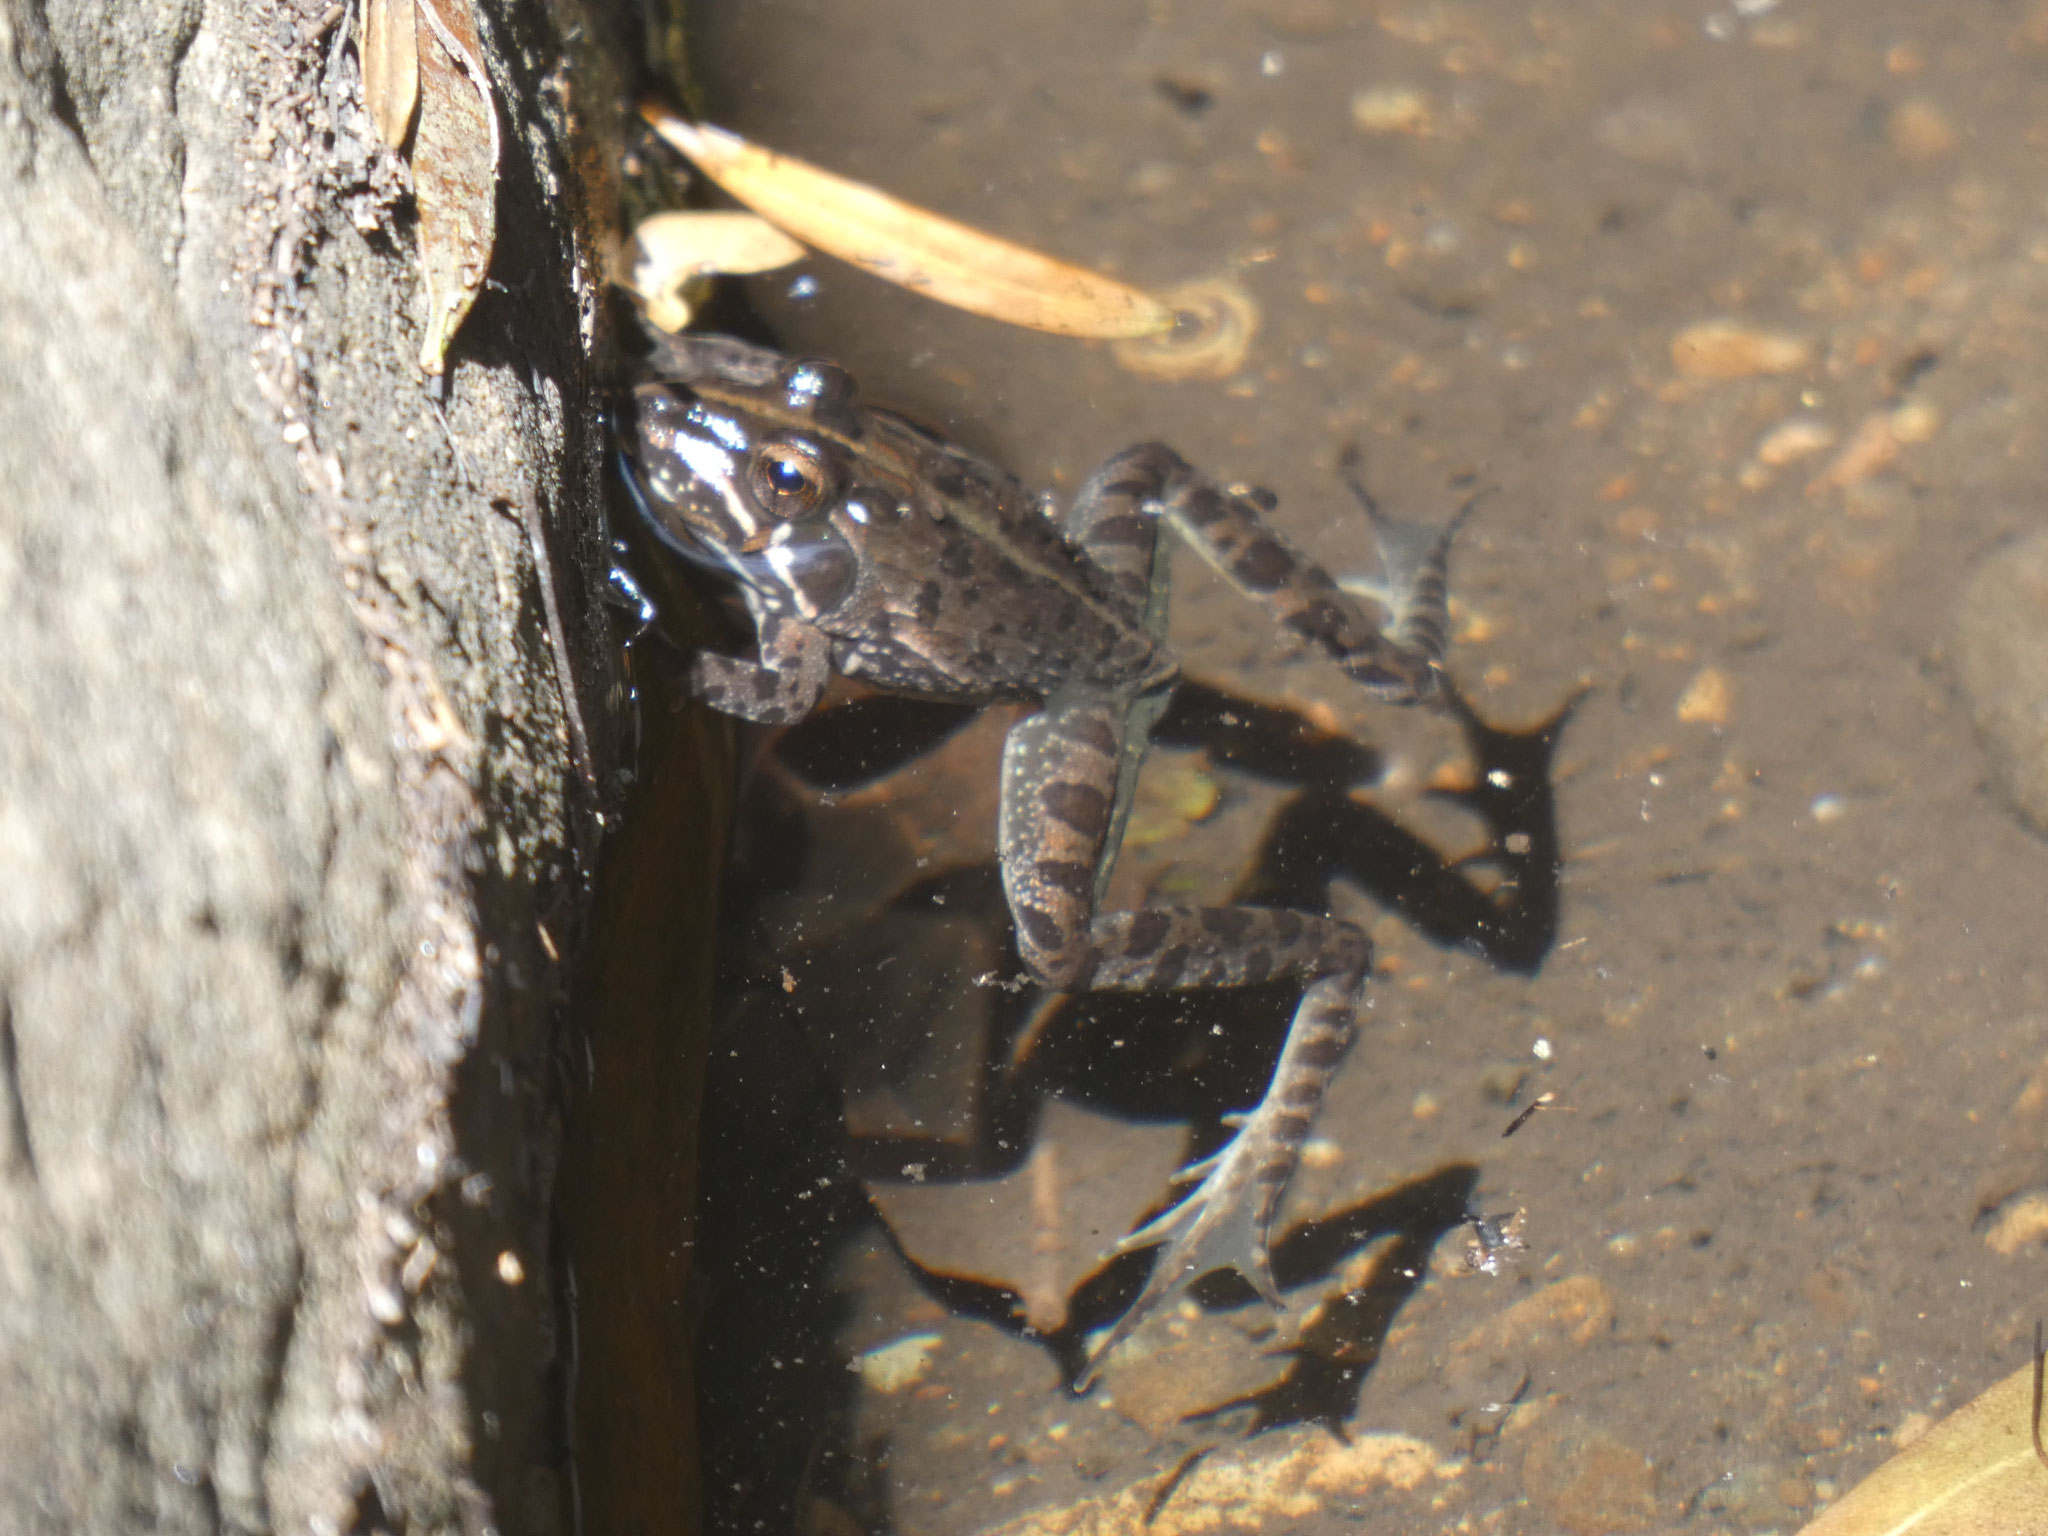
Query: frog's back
967,591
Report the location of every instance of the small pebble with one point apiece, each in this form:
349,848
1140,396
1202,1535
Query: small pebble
1794,439
1707,698
899,1364
1723,349
1921,131
2001,659
2022,1224
1391,109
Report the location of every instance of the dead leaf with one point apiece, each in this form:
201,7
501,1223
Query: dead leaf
454,171
389,49
1042,1229
1974,1474
914,248
670,251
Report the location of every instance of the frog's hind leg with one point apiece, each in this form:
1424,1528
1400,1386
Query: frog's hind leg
1412,586
1059,769
1111,530
1224,1219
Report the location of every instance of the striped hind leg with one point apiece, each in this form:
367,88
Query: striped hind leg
1226,1218
1059,767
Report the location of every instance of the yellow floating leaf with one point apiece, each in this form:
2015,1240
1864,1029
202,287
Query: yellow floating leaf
389,49
454,171
914,248
672,250
1974,1474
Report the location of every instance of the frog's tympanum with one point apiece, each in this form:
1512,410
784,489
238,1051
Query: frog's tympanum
864,545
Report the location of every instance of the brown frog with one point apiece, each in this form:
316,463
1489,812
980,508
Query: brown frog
864,545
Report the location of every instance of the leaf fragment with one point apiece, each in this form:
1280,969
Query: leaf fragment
914,248
388,47
671,251
454,170
1974,1474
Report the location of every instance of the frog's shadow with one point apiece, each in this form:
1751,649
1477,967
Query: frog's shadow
1197,1063
782,1176
1195,1056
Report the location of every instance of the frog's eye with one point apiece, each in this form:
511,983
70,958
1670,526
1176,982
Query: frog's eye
789,478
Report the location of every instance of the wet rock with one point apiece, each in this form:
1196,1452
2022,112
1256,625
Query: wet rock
1920,131
1291,1475
1707,698
2001,660
1487,1364
1573,1311
1590,1482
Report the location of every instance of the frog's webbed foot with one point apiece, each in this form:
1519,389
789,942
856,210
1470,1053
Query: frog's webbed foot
1224,1221
1411,586
1395,655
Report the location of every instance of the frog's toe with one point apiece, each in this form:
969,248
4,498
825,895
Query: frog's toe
1411,586
1219,1224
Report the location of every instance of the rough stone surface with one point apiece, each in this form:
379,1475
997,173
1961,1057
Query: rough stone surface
2001,658
287,847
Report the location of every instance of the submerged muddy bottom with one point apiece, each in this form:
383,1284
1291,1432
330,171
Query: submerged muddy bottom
1734,316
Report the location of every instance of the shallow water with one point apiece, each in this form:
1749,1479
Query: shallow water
1791,1000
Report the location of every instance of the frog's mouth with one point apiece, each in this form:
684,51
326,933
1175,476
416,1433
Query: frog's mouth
674,535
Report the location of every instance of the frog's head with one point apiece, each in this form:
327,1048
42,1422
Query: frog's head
740,458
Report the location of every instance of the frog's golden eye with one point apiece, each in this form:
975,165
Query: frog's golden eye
789,478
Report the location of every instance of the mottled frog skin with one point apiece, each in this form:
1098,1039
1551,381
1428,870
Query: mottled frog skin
866,546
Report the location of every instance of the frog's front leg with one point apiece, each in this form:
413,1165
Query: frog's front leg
1059,775
1394,653
779,689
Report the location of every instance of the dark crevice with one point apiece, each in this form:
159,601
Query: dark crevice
17,1150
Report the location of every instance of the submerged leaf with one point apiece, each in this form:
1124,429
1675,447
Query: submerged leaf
1976,1473
454,171
1042,1228
389,50
916,249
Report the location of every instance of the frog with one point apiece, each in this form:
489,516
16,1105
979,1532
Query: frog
864,545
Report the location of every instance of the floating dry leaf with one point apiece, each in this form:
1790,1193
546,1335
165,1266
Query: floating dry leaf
1974,1474
1214,321
670,251
454,171
913,247
388,46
